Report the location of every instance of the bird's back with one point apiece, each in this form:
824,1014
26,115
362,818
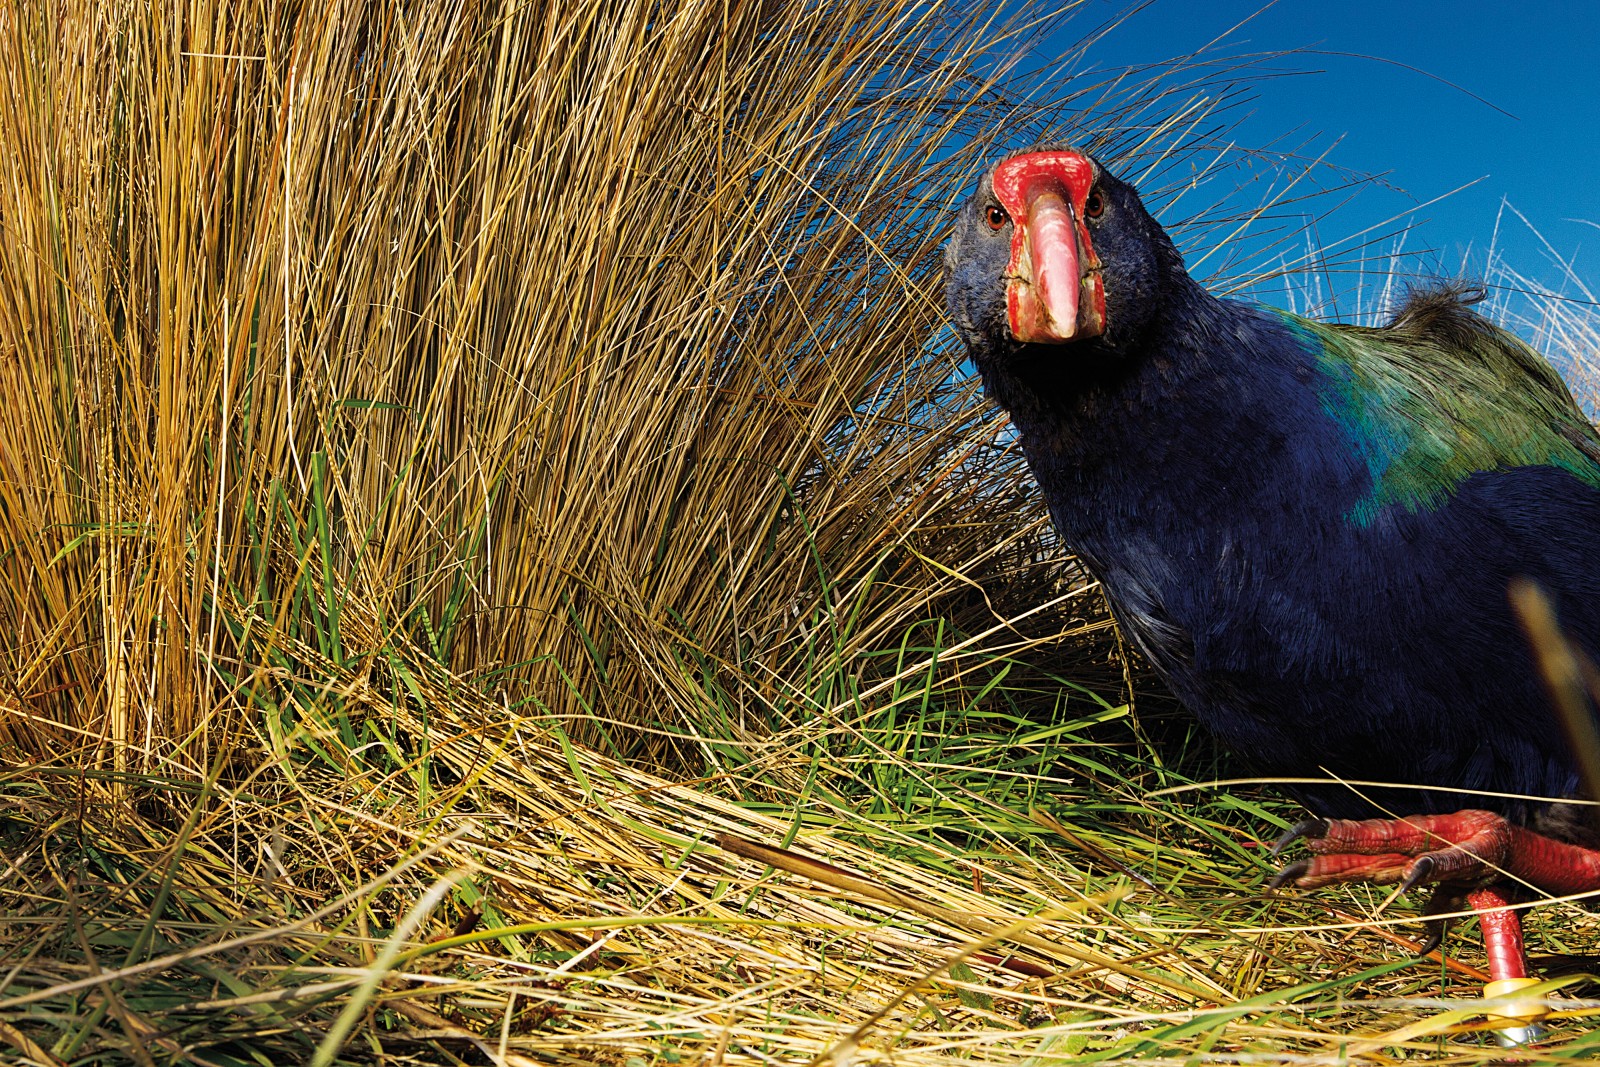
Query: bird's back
1441,393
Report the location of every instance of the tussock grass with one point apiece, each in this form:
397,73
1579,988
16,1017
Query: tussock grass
496,565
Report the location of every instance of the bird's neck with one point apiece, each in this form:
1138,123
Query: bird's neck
1078,399
1157,440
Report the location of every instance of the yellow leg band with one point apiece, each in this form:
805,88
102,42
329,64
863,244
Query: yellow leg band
1522,1011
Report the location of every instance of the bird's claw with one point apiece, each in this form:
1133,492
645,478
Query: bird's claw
1289,872
1435,929
1303,828
1435,918
1406,853
1419,871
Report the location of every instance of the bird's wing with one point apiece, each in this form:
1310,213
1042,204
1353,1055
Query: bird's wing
1441,394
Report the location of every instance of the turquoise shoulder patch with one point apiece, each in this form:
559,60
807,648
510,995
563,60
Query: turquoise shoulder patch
1425,412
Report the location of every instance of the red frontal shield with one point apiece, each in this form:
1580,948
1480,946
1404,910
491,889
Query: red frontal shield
1054,291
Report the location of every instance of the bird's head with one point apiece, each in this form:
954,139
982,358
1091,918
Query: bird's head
1055,259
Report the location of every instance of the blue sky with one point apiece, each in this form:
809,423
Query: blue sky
1533,137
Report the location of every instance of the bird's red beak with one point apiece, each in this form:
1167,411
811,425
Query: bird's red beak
1053,287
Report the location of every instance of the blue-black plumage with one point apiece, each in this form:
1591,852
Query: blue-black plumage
1308,529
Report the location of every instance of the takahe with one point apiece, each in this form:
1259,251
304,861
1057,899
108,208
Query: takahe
1308,529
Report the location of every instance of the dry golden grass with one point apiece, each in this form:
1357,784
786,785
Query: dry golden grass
476,479
552,905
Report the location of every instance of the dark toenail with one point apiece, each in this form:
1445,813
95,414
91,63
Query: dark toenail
1303,828
1421,868
1288,874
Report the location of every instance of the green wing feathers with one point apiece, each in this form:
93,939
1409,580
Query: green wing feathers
1442,393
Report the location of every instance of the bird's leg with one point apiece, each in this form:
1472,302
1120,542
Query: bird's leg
1473,852
1508,964
1502,933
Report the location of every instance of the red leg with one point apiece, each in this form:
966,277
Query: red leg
1477,852
1508,965
1502,934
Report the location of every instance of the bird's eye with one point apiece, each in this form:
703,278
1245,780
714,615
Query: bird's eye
996,217
1095,206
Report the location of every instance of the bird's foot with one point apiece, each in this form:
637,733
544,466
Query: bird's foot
1471,856
1464,850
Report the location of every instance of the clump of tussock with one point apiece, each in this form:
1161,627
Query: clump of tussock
595,354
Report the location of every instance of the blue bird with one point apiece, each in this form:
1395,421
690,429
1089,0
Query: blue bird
1308,529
